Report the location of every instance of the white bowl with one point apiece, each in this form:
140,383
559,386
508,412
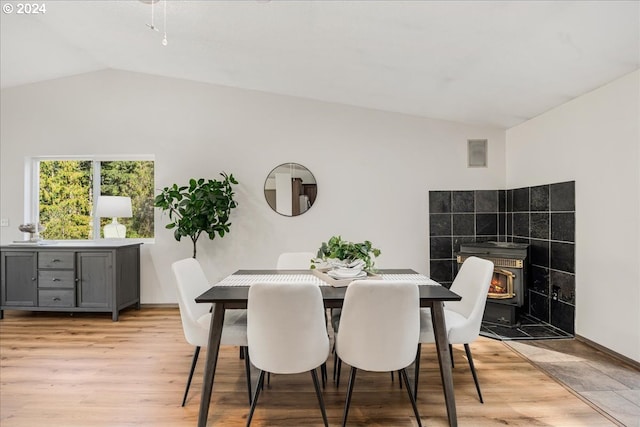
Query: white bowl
346,273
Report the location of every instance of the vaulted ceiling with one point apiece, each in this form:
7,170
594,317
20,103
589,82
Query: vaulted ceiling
495,63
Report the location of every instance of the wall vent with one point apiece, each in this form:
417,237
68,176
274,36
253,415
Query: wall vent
477,153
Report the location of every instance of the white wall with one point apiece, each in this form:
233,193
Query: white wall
374,169
594,140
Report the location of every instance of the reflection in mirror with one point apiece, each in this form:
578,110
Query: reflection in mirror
290,189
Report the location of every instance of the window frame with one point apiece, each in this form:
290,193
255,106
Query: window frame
32,188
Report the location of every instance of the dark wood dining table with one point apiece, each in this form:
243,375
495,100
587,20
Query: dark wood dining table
235,296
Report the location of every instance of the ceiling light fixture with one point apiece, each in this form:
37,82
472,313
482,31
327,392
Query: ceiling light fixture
164,24
152,26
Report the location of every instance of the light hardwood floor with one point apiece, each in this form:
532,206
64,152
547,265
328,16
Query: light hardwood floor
85,370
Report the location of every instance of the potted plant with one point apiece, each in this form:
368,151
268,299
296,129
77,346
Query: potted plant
204,206
342,250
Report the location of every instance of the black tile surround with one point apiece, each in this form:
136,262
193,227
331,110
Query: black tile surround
542,216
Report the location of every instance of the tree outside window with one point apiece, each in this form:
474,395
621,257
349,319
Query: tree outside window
66,198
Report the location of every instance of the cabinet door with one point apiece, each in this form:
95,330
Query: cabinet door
19,279
95,279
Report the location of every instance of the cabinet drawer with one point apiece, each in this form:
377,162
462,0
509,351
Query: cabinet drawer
56,298
56,279
48,259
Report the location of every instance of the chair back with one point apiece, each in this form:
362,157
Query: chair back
472,284
379,325
295,260
286,329
191,282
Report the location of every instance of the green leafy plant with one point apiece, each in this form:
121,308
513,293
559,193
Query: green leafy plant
204,206
337,248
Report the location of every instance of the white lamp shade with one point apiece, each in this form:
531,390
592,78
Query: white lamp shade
114,207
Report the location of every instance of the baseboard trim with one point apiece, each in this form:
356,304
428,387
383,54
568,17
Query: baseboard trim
160,305
624,359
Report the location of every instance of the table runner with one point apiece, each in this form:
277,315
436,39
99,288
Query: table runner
249,279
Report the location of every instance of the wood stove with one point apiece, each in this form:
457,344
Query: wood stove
507,290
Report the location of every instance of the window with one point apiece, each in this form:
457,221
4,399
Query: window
65,190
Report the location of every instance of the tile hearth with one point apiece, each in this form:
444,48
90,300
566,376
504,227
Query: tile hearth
529,328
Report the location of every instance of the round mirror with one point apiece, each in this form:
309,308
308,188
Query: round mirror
290,189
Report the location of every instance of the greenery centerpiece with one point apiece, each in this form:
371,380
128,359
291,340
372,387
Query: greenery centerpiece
347,252
204,206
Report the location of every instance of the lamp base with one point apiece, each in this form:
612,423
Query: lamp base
115,230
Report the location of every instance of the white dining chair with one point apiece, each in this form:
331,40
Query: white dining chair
463,318
286,333
379,329
295,260
196,318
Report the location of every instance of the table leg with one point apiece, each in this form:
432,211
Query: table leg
444,359
215,334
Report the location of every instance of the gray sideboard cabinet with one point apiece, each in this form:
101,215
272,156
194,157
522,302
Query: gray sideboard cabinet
98,276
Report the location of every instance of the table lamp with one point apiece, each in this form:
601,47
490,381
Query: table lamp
115,207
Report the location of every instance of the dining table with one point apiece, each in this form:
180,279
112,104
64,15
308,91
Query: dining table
232,293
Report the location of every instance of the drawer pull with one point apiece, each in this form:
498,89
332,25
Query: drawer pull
55,260
56,299
55,279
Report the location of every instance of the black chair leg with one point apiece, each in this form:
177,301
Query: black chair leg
319,395
411,397
247,366
473,371
393,378
255,397
352,381
335,365
417,374
193,368
241,353
323,373
339,368
451,355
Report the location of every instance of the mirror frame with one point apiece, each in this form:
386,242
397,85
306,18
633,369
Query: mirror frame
303,183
